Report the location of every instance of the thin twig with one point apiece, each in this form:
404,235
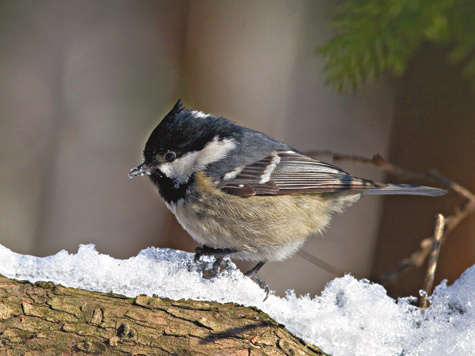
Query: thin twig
379,161
417,258
320,263
434,257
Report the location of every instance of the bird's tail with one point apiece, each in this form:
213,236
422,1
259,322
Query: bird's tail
405,189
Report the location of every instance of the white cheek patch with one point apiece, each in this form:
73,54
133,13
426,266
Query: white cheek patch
182,168
265,177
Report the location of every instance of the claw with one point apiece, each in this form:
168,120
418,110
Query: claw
214,271
252,274
263,285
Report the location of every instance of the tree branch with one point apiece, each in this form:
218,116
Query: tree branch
44,318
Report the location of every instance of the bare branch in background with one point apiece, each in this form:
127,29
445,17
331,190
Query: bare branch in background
417,258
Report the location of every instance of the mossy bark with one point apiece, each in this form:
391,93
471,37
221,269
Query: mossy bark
48,319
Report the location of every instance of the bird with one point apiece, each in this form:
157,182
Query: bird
241,193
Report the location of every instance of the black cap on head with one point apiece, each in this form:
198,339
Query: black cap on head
183,130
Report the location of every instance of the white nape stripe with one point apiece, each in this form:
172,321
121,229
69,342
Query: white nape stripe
199,114
265,177
182,168
215,151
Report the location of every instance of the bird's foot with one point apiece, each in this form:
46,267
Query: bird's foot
217,253
209,251
214,271
252,274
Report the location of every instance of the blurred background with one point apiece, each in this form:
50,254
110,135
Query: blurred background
83,83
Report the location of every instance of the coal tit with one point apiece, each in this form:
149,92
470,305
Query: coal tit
242,193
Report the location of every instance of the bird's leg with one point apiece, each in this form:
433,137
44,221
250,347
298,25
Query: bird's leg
217,253
252,274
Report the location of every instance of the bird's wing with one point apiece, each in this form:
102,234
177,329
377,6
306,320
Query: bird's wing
288,172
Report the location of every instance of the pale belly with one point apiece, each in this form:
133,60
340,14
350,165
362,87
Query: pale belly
260,228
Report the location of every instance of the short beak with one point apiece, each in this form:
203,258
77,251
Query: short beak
142,170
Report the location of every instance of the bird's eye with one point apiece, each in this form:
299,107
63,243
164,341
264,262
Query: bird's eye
170,156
